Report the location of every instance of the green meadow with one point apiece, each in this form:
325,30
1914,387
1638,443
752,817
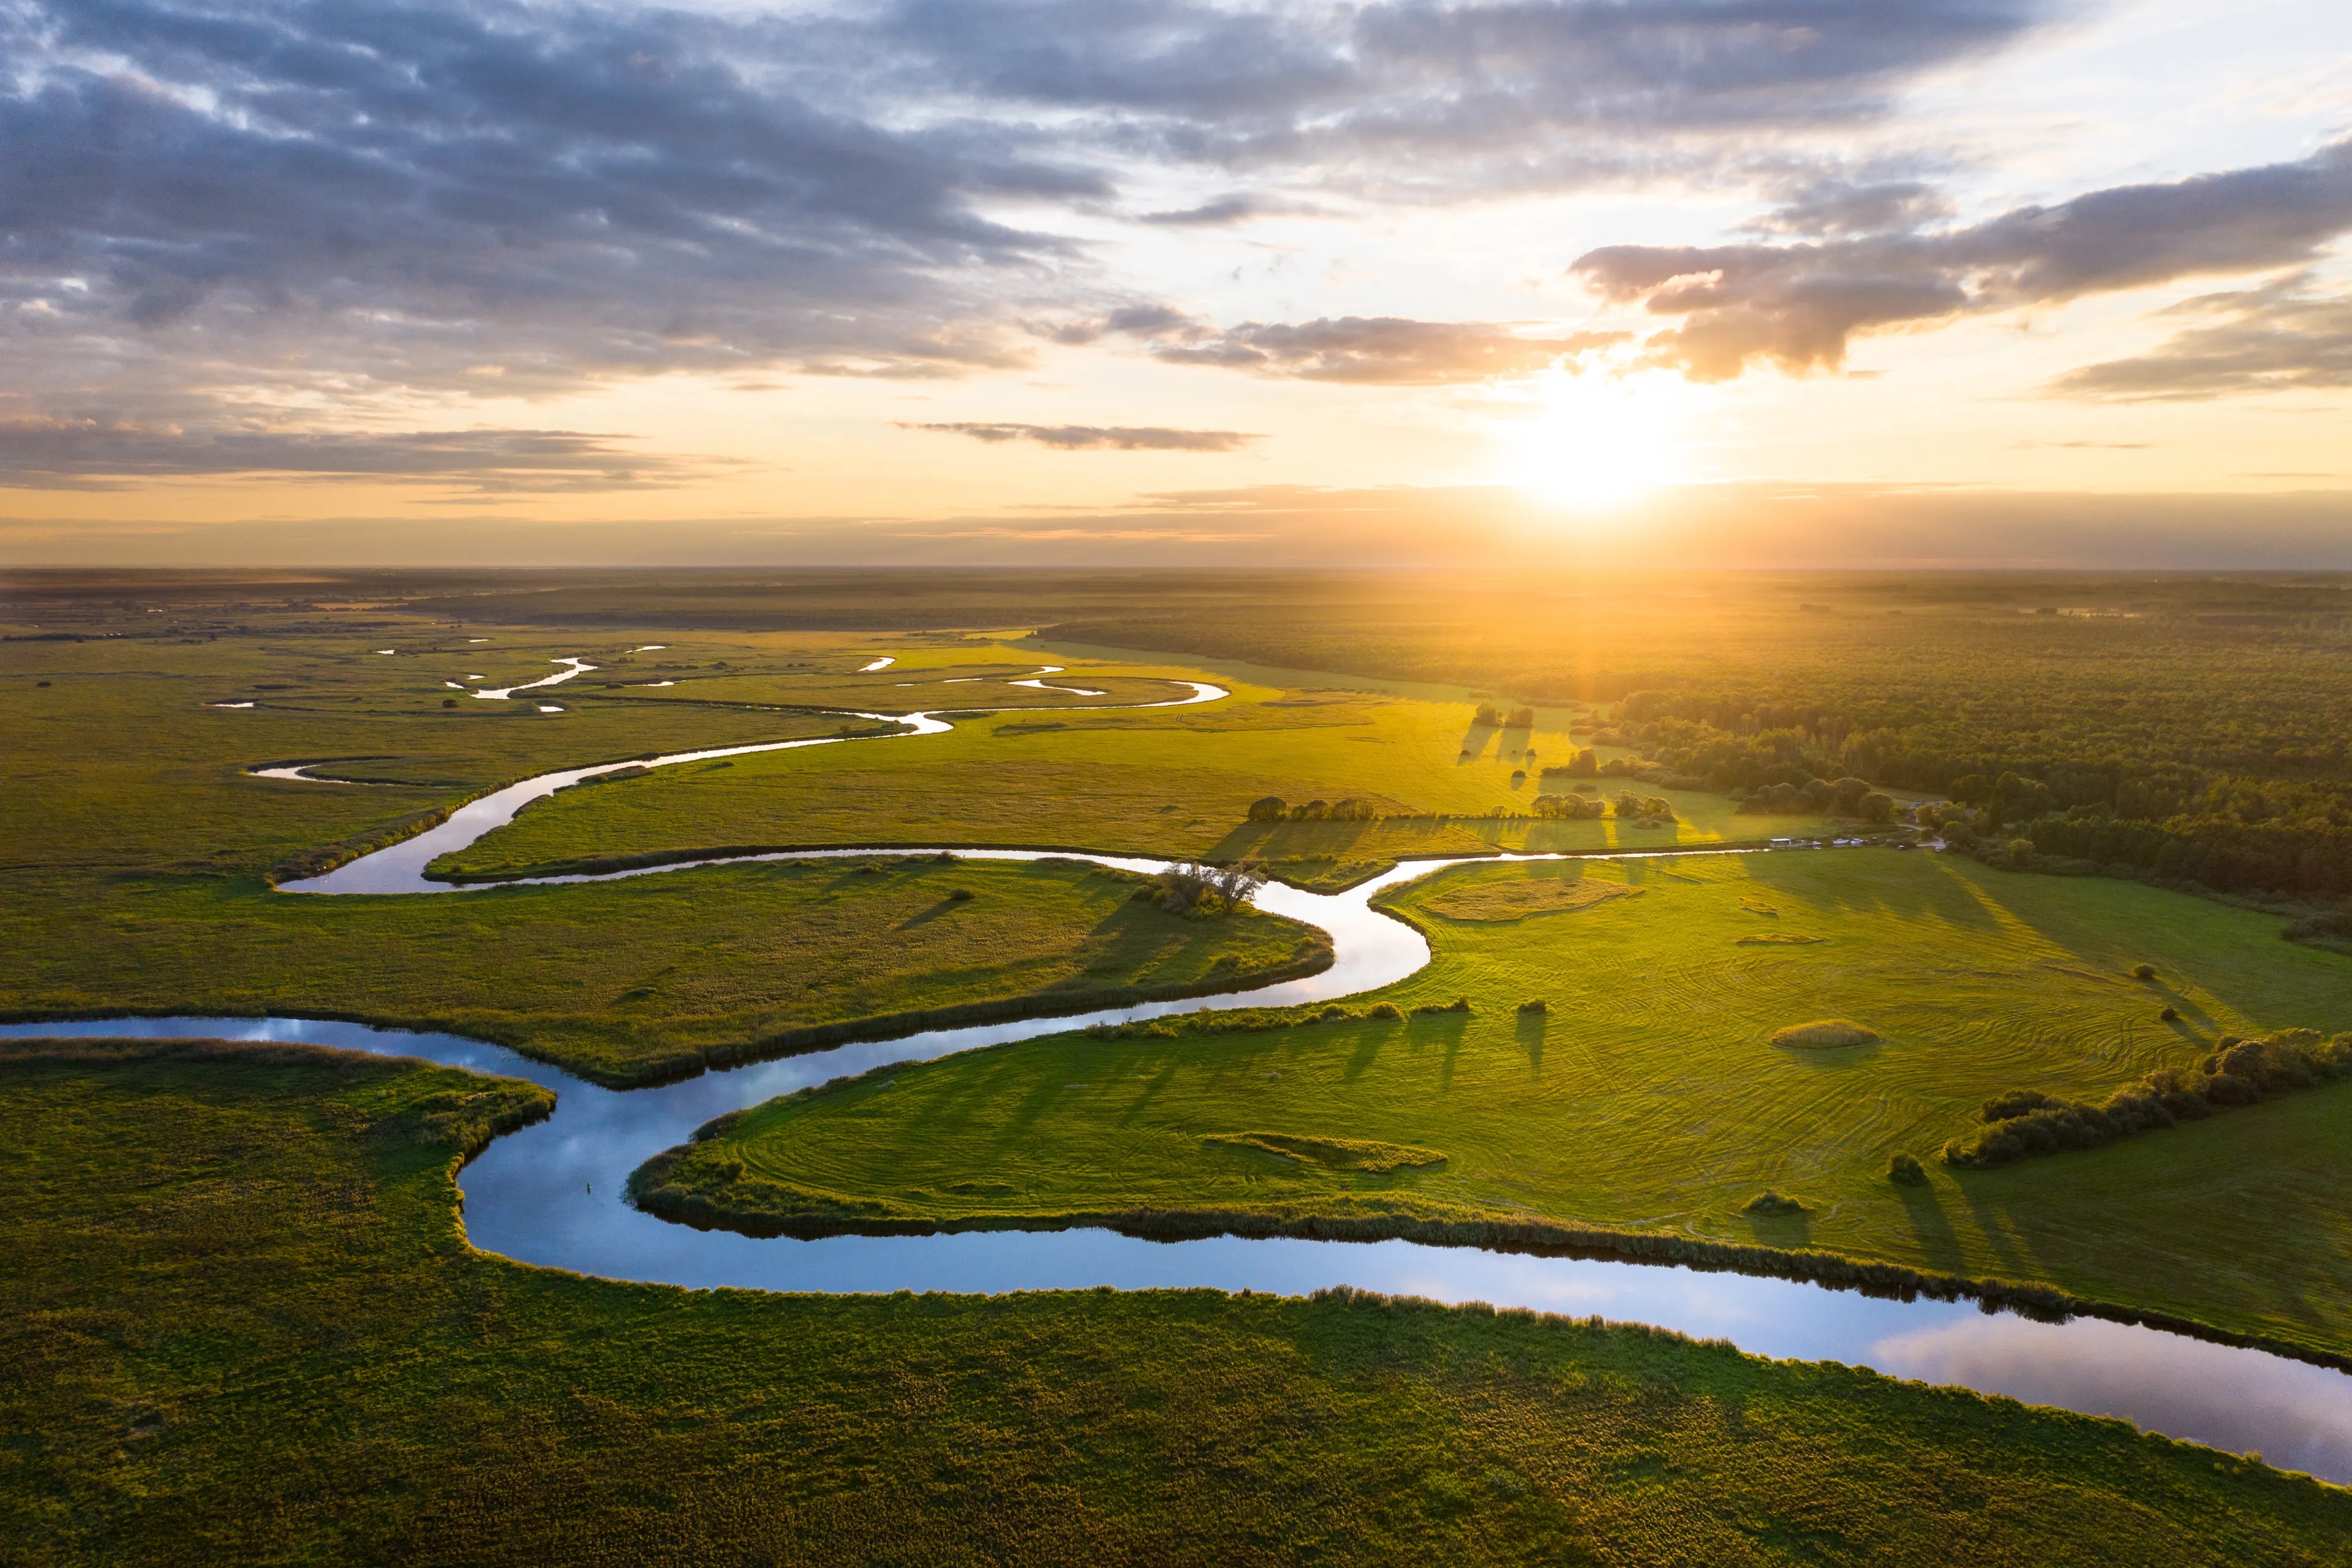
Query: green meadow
1648,1096
1166,782
242,1324
137,849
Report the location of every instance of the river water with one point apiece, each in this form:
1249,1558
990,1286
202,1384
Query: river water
551,1194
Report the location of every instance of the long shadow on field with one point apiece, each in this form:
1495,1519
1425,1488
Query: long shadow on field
1939,1242
1791,1232
1369,1038
1529,1033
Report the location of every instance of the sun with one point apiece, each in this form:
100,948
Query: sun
1598,443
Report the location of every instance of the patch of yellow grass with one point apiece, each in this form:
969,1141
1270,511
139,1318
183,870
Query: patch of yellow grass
1485,900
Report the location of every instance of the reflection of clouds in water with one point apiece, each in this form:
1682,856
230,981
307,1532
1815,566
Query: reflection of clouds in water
2299,1417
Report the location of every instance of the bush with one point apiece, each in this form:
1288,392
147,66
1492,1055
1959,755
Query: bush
1520,718
1905,1169
959,895
1487,716
1382,1010
2143,972
1826,1034
2171,1015
2027,1122
1267,808
1459,1004
1536,1005
1774,1204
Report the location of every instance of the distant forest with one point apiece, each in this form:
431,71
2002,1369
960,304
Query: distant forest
2190,730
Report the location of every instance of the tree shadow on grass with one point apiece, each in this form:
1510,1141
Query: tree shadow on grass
1529,1033
947,905
1371,1037
1473,741
1939,1244
1791,1232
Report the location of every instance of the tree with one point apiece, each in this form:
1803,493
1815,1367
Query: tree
1267,808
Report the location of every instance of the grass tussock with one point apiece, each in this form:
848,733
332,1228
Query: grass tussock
1363,1155
2028,1123
1490,900
1826,1034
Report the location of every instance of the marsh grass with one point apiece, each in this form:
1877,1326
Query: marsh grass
244,1322
1642,1105
1337,1153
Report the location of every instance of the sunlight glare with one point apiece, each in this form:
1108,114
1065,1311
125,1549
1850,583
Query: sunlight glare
1600,443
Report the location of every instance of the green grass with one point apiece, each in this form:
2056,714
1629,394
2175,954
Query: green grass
1650,1096
653,976
135,846
242,1325
1172,782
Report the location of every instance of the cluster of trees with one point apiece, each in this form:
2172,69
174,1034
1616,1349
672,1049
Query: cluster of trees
1850,797
2027,1122
1520,718
1570,806
1646,810
2201,730
1273,809
1193,887
1581,764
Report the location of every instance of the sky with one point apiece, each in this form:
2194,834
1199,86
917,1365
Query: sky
1716,282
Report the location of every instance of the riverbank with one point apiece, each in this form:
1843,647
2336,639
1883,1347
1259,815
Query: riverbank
349,1381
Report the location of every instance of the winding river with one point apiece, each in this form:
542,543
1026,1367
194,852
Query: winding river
551,1194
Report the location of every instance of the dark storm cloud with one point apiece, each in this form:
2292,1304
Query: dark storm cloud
1799,305
1096,437
104,454
2282,338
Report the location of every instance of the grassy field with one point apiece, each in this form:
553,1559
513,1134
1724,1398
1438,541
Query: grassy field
650,978
1171,782
135,849
242,1325
1648,1096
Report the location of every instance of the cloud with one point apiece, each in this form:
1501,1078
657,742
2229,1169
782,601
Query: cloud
1385,350
104,454
1088,438
1439,98
224,213
1843,207
1799,306
2282,337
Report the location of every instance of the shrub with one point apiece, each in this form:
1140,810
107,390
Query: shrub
2143,972
446,702
1267,808
1520,718
1459,1004
1386,1010
1774,1204
2171,1015
1905,1169
1487,715
1826,1034
959,895
2027,1122
1535,1006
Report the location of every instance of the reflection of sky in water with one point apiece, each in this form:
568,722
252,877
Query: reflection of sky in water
551,1194
2297,1417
